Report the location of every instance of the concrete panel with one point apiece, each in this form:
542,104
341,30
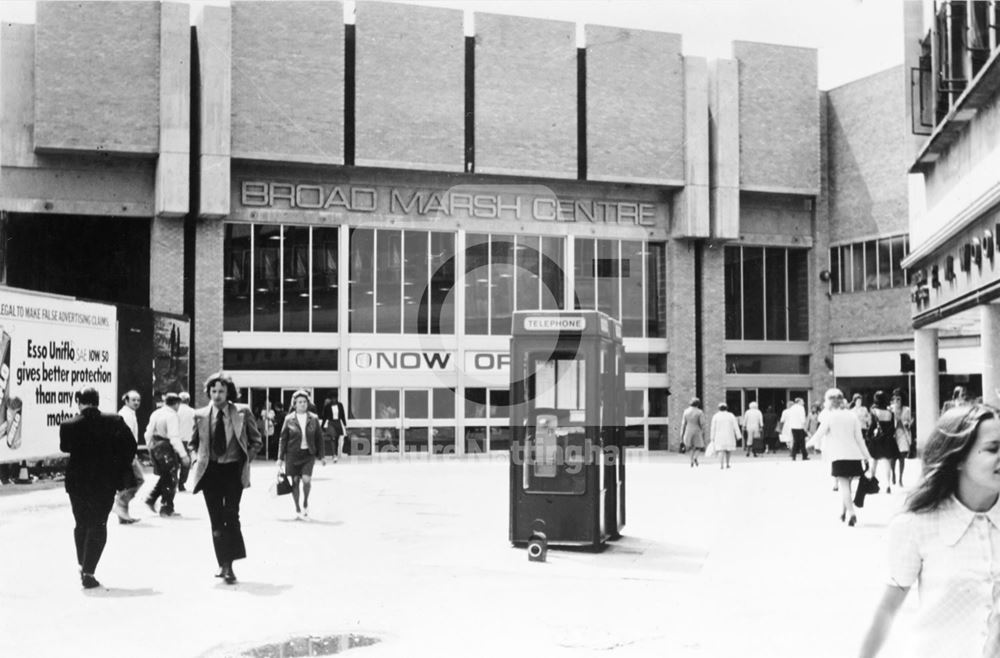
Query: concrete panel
724,152
288,81
212,25
867,169
635,106
410,87
172,169
779,118
109,186
97,70
526,100
692,211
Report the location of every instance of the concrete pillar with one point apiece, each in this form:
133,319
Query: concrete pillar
175,111
724,141
927,388
691,209
166,265
990,315
213,25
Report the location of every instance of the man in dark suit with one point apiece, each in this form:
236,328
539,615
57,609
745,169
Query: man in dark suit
101,448
225,440
335,423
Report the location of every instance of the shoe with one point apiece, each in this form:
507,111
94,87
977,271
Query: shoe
181,488
127,520
843,515
805,459
151,504
168,513
228,575
88,581
305,513
852,521
888,489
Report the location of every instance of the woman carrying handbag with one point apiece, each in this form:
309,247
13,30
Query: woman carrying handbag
299,446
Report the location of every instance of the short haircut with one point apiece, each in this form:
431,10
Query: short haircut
301,394
129,394
232,393
88,395
695,402
723,407
185,396
171,399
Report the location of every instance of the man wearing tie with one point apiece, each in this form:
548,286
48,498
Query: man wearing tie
225,440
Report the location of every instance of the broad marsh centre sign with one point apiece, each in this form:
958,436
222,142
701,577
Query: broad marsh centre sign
459,203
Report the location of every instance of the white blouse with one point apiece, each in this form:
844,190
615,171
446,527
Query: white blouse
953,554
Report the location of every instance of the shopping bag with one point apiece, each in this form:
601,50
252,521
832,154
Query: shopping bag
710,450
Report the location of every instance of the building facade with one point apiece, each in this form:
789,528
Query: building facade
953,111
357,206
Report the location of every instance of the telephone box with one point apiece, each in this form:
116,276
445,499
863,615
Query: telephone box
567,393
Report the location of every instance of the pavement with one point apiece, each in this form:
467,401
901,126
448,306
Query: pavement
749,561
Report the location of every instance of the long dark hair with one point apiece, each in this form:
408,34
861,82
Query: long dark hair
944,451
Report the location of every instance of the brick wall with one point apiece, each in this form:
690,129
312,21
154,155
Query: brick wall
867,157
526,98
779,117
681,331
207,329
166,264
635,105
873,314
410,87
97,81
288,81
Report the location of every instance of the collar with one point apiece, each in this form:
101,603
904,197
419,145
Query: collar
216,410
956,519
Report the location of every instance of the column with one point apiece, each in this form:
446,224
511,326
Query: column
990,336
927,387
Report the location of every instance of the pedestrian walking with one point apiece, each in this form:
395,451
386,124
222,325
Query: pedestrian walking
861,411
812,424
133,478
168,452
793,420
947,542
959,398
753,423
724,433
299,446
839,434
335,424
882,438
770,429
693,430
100,449
185,427
903,418
226,440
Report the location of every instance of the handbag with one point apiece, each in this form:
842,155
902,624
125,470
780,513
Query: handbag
710,450
283,485
867,485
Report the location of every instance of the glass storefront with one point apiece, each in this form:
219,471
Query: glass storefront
403,355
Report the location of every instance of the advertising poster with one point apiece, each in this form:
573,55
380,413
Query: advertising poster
171,344
50,347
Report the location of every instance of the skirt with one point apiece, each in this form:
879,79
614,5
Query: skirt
299,463
846,468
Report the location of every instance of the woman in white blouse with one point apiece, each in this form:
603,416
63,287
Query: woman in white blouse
725,430
300,445
947,541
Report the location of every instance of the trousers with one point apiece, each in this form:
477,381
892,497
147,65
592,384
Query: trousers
165,463
91,532
222,485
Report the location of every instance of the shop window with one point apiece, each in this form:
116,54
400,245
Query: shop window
742,364
733,285
388,281
527,266
645,362
362,280
415,282
324,278
633,301
635,402
236,278
775,291
501,284
444,403
295,278
477,283
753,293
279,359
658,398
360,403
267,278
442,283
475,439
553,274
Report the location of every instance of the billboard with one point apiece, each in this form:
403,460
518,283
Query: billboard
50,347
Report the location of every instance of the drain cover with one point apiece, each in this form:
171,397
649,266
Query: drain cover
310,645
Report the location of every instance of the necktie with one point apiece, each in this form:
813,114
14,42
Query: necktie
219,435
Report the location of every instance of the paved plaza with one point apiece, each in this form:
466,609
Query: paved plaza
751,561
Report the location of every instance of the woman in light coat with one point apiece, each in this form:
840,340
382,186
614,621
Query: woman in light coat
693,430
753,423
724,434
844,447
